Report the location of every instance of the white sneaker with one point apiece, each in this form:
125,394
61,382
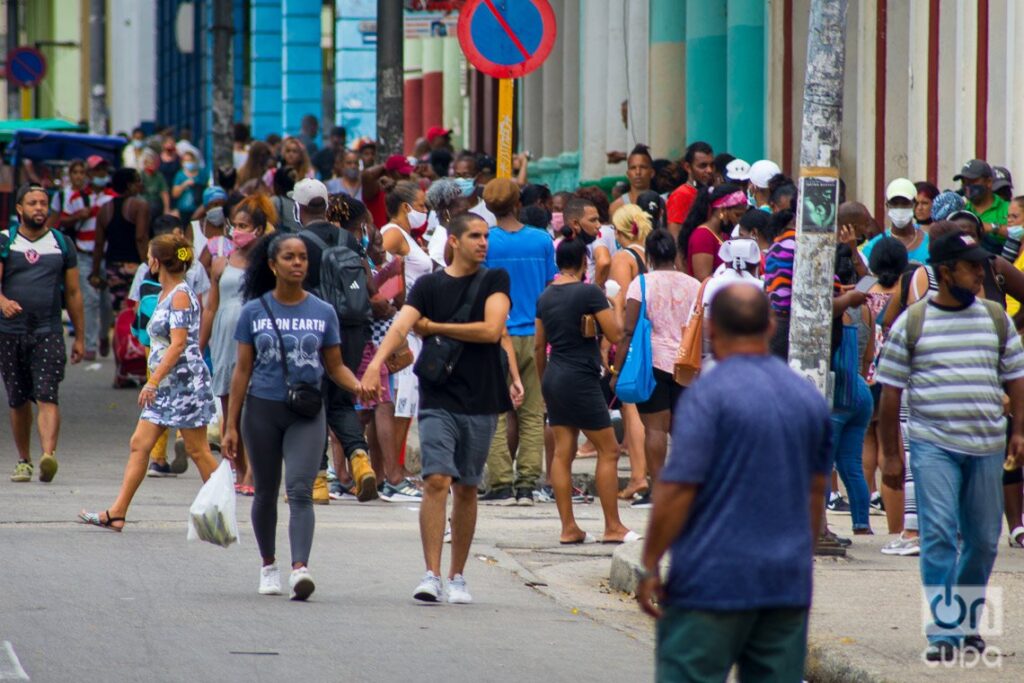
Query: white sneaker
903,546
270,580
457,592
429,589
301,584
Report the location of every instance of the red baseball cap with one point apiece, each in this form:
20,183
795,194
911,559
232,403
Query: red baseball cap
94,161
435,132
397,163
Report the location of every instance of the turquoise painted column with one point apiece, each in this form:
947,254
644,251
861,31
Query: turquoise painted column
745,91
668,91
301,63
705,72
355,67
265,66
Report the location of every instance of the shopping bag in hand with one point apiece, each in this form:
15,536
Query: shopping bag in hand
212,515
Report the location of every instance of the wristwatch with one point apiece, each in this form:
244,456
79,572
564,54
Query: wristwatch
642,574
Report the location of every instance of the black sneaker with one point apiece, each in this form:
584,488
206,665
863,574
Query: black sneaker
974,643
838,504
876,502
501,495
157,469
524,496
641,501
941,651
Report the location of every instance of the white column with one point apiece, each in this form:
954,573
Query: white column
998,119
897,86
552,94
916,109
593,88
569,37
773,73
531,91
959,67
131,62
636,49
863,113
1015,98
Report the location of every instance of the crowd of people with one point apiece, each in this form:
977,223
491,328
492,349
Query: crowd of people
320,299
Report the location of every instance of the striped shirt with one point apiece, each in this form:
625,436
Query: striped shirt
955,377
778,271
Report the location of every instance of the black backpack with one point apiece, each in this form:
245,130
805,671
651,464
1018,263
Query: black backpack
343,282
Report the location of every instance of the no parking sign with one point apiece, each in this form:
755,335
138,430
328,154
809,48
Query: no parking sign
506,39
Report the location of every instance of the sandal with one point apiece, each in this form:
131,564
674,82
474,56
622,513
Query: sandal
94,519
1016,539
630,537
629,493
586,540
247,490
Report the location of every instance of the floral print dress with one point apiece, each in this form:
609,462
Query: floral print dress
184,399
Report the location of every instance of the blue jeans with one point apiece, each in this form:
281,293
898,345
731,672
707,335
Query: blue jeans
956,492
848,430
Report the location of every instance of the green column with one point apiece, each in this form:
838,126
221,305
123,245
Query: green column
745,79
668,90
706,72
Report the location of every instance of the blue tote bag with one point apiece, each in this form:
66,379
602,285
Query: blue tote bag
636,378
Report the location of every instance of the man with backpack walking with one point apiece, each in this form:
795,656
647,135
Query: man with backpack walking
37,267
337,274
954,353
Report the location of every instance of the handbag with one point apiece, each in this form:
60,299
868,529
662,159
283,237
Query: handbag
691,346
303,399
440,354
400,359
636,378
588,326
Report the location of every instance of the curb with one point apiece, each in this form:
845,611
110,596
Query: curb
823,665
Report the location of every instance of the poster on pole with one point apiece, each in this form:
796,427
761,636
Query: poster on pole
819,198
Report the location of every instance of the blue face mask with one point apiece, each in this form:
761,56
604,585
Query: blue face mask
191,166
100,181
466,185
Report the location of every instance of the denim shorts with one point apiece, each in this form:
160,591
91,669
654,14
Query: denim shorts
455,445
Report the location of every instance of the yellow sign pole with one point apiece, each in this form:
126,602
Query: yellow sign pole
26,103
506,92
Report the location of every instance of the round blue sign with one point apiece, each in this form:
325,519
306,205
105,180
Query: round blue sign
26,67
507,38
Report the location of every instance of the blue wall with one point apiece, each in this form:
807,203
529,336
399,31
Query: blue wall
181,99
356,67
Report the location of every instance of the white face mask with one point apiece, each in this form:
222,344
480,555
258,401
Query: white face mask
416,218
900,217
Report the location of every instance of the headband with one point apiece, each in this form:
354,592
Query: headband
735,199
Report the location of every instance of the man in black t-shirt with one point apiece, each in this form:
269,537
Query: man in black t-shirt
310,196
37,264
458,417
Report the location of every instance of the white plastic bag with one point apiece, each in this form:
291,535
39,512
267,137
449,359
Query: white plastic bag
212,515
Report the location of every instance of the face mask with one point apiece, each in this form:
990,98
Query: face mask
191,165
215,216
587,238
100,181
365,241
351,173
243,239
137,144
417,220
466,185
974,192
900,217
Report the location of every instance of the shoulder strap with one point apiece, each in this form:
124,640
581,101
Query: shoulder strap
915,324
998,315
280,339
315,239
462,315
717,237
640,265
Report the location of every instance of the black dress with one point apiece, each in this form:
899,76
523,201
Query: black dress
572,379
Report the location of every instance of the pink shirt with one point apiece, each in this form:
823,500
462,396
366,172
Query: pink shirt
670,296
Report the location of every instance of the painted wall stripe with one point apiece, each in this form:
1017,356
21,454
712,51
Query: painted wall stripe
932,163
981,101
10,667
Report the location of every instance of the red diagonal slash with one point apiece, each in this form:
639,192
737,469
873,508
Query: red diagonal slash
508,29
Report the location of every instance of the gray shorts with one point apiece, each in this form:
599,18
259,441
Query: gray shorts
455,445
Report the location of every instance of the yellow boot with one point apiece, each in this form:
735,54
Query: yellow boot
320,493
362,473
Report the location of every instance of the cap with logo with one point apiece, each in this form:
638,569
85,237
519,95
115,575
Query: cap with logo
306,190
95,160
1001,178
901,187
974,169
737,169
762,171
956,246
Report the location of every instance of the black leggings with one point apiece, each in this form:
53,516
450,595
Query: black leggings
273,435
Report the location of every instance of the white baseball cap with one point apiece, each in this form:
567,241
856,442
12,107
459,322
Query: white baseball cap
901,187
737,169
306,190
762,171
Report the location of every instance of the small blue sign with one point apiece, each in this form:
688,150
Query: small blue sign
26,66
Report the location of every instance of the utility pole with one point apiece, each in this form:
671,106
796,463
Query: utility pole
390,105
223,85
97,67
814,266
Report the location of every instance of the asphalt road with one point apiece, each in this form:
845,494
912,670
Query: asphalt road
83,604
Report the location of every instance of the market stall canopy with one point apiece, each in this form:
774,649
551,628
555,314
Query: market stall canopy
9,128
40,145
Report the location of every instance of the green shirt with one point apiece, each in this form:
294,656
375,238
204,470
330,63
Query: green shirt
152,185
996,213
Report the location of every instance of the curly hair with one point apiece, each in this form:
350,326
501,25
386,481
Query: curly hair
345,211
259,279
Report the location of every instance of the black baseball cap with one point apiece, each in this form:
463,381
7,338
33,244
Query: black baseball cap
974,169
27,188
956,246
1001,178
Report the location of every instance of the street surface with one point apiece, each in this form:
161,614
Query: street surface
84,604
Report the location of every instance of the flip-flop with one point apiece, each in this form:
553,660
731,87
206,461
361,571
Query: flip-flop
586,540
628,538
94,519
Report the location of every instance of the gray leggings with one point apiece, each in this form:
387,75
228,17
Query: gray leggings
274,435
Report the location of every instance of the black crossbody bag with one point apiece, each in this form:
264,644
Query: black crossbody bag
303,399
440,354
